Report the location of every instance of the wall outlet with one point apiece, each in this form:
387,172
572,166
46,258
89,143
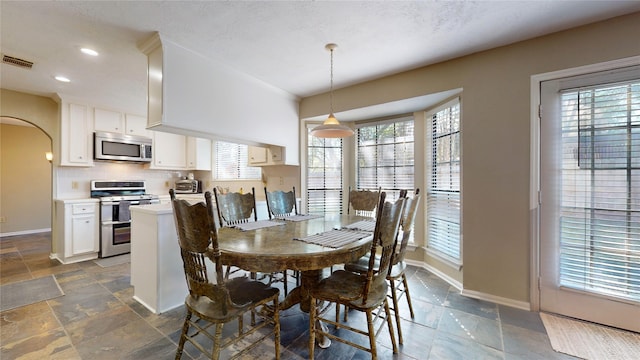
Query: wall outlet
74,185
3,219
166,184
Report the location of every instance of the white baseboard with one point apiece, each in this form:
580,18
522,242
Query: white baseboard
451,281
24,232
523,305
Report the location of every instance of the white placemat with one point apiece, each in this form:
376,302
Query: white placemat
300,217
335,238
363,225
255,225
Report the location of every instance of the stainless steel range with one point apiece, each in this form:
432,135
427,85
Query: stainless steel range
115,219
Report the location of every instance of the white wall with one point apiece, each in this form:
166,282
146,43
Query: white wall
214,100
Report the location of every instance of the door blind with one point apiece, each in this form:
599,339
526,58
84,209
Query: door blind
600,212
324,175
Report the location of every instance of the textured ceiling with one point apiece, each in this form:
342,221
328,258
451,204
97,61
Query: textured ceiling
280,43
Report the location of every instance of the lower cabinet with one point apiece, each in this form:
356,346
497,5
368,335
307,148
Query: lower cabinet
77,237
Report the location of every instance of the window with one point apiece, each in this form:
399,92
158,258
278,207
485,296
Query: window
324,175
385,157
231,163
443,182
600,209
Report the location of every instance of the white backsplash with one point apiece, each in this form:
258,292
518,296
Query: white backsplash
75,182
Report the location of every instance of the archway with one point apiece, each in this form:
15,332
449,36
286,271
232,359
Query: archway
26,178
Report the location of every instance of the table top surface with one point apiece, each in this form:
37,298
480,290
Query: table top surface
274,248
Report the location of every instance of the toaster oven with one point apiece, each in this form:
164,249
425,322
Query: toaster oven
186,186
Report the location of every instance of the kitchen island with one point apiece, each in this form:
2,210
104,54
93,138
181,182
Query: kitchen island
157,274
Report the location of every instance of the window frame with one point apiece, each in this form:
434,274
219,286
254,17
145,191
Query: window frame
392,192
429,193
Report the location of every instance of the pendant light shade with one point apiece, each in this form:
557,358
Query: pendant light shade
331,128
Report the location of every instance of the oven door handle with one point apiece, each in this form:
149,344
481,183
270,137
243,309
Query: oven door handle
111,203
115,222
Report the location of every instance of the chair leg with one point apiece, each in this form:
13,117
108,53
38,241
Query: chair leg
372,335
406,290
394,297
183,336
276,320
388,318
286,280
312,327
215,355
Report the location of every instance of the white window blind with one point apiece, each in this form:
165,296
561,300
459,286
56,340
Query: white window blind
443,188
600,213
231,162
385,157
324,175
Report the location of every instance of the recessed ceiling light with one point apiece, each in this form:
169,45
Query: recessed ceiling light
89,51
62,78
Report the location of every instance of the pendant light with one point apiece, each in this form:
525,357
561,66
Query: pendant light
331,128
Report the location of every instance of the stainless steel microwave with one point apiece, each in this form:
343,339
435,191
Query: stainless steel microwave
119,147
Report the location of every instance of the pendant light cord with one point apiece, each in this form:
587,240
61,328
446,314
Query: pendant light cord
331,84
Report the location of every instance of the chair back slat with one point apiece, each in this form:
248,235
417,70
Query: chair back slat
235,208
384,237
280,203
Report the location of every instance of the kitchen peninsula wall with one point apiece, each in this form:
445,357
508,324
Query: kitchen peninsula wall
191,95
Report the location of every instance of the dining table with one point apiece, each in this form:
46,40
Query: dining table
281,246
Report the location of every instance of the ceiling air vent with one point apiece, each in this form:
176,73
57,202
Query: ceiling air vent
6,59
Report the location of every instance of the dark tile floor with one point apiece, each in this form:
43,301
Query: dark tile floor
97,318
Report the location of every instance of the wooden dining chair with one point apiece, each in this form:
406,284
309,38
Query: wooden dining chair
235,208
216,304
397,272
366,292
282,204
363,202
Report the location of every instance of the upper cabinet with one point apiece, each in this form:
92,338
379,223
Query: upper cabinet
198,153
169,151
118,122
265,156
137,125
76,133
179,152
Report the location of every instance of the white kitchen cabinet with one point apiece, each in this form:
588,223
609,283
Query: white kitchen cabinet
137,125
169,151
257,155
76,135
265,156
107,120
198,153
118,122
77,237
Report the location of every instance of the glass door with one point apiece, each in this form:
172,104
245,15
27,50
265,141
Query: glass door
590,198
